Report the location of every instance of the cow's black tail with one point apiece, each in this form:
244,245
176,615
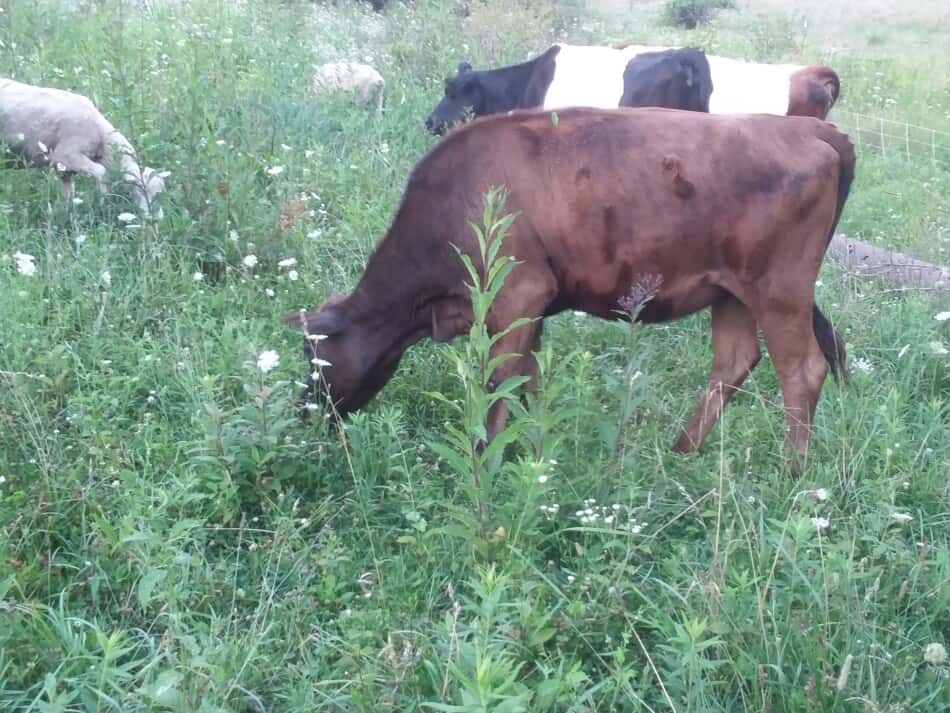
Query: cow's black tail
830,342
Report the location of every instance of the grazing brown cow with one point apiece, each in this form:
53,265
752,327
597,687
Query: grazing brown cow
733,212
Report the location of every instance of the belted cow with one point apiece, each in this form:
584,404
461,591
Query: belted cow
593,76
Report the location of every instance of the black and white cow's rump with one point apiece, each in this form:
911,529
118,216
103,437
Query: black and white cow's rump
672,79
600,77
493,91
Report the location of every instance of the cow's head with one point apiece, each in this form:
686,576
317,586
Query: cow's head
346,365
463,93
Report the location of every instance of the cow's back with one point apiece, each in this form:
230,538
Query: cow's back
741,87
590,76
604,195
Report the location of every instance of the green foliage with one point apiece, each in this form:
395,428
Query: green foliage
690,14
467,450
174,538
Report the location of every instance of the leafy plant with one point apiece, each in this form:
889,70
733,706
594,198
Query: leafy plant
690,14
466,448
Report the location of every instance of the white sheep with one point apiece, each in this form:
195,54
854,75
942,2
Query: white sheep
360,79
52,127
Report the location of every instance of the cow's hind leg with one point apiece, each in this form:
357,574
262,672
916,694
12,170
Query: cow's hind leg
735,353
801,367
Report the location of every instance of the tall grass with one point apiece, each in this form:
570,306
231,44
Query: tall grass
173,538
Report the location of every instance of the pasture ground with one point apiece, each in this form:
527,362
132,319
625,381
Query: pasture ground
173,538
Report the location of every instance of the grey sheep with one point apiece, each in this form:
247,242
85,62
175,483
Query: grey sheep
64,130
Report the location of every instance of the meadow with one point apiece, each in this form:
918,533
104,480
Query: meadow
174,538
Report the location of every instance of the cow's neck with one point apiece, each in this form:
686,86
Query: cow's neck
400,288
511,83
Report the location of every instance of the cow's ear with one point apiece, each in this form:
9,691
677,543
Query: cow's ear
328,320
465,67
334,299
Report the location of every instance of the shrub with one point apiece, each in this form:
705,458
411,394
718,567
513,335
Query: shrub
693,13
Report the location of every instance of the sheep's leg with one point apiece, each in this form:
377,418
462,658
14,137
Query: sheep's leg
66,178
68,162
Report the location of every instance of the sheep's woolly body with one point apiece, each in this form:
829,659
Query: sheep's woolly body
362,80
64,130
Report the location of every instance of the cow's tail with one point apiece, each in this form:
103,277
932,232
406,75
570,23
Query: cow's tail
830,342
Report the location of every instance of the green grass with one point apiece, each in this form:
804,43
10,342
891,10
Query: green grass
172,537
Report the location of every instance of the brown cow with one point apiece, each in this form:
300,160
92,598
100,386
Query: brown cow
733,212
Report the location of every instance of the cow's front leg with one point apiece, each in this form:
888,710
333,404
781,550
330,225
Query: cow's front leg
529,298
520,342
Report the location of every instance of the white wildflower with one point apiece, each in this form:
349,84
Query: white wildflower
125,217
2,480
220,142
285,147
233,236
293,275
287,262
935,653
80,239
942,316
25,263
250,261
198,276
322,363
821,523
77,201
267,360
106,278
269,292
542,479
43,147
275,170
308,153
902,517
316,337
821,494
938,348
862,364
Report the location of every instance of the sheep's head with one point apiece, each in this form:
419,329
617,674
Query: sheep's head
146,185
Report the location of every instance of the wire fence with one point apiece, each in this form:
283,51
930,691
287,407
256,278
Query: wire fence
896,139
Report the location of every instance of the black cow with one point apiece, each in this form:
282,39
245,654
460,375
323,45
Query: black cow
673,79
493,91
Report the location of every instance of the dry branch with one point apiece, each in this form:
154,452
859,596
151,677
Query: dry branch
864,260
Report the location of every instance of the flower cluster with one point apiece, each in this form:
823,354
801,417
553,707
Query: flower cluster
267,360
615,516
25,263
